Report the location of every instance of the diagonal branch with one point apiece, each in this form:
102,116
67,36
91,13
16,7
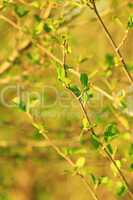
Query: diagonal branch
64,156
130,192
112,42
93,133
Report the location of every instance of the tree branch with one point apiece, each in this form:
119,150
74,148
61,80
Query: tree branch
112,42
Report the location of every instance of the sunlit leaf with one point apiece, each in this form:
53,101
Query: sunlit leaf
80,162
60,72
130,21
85,124
114,170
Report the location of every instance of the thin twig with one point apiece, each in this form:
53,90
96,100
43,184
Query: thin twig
64,57
92,131
123,39
84,110
130,191
111,10
7,65
114,45
47,12
13,24
64,66
72,164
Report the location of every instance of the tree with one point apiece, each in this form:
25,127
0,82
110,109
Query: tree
45,54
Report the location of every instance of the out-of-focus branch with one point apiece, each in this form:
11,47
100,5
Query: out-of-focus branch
123,39
71,16
57,149
12,23
40,144
45,13
72,164
53,57
6,65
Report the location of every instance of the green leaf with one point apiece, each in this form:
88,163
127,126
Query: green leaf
114,170
22,106
84,80
95,141
111,132
47,27
110,149
130,21
34,57
38,28
131,167
74,150
130,5
80,162
85,124
21,10
4,196
104,180
94,179
20,103
99,180
110,62
5,2
35,4
121,189
131,150
36,135
123,104
75,90
87,95
130,67
60,72
39,127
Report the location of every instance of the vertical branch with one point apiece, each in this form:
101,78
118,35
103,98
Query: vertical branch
112,42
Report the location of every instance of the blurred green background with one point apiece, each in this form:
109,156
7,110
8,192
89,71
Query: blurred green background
29,168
